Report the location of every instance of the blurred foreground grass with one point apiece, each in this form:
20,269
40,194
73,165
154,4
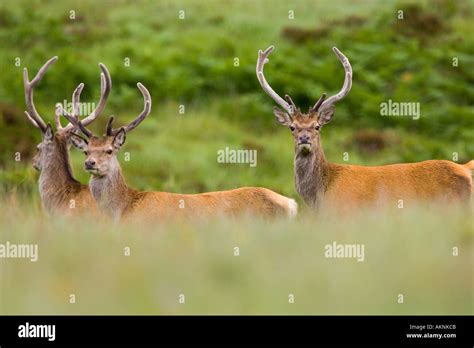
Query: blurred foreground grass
407,251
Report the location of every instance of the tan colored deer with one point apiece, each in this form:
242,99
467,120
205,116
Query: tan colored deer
348,187
118,200
60,192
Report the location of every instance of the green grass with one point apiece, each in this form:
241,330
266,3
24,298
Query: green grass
191,62
407,251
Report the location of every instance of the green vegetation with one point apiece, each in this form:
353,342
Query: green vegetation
191,62
407,251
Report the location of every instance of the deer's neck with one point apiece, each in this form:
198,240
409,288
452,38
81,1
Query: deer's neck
57,184
311,175
111,192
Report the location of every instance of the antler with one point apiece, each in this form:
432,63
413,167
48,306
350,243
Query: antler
318,103
32,114
262,60
74,117
109,129
290,102
288,105
146,111
73,121
76,97
347,81
105,87
35,118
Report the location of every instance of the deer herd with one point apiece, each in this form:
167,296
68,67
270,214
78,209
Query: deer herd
322,185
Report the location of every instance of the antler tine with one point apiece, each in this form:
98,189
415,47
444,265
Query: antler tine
57,117
32,114
105,86
347,81
109,130
290,101
146,108
84,130
76,98
262,60
32,120
146,111
74,121
319,102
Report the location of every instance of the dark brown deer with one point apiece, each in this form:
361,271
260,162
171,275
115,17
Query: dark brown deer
60,192
118,200
322,184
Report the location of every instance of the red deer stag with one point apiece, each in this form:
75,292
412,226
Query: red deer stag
347,187
118,200
60,192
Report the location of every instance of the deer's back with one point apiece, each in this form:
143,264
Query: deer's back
434,180
247,200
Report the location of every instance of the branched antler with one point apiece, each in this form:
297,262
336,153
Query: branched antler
289,105
262,60
35,118
105,87
132,125
76,99
31,112
111,131
347,81
318,103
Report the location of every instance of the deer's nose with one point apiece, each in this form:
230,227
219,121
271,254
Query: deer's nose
303,139
90,164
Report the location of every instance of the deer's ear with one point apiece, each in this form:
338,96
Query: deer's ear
119,138
282,116
79,142
48,134
325,115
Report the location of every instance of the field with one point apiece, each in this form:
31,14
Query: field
407,252
205,63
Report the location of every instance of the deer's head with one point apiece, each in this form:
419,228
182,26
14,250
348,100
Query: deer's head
101,151
305,127
55,144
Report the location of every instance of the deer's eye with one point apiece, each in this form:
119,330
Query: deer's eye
86,153
292,128
108,152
